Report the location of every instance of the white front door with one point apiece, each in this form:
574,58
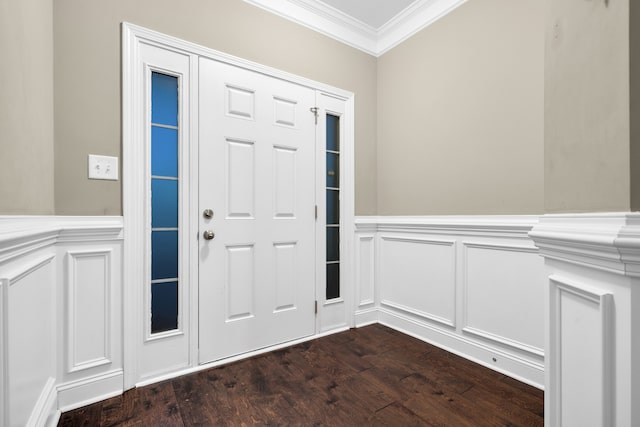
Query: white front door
257,176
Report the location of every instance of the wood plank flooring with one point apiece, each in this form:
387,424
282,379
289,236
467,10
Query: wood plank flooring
368,376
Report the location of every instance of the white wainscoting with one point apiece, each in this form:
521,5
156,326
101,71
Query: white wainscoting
592,340
471,285
365,293
417,277
88,312
60,328
476,286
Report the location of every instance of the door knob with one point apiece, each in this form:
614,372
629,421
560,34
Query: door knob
207,213
208,235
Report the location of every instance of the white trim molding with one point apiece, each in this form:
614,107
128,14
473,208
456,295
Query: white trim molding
593,301
89,389
472,285
514,226
333,23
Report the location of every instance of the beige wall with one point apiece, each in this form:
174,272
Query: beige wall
460,114
462,127
587,134
26,107
634,41
87,80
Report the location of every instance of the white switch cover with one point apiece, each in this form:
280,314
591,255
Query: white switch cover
103,167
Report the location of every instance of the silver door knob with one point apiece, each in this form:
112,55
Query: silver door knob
208,235
207,213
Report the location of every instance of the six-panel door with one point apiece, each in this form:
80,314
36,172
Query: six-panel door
256,173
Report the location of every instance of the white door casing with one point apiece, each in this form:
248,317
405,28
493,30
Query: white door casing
257,156
148,359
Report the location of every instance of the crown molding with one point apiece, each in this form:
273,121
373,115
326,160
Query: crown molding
414,18
333,23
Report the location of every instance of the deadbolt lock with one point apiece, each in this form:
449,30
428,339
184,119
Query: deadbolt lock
208,213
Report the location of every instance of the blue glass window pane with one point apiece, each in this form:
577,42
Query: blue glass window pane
164,99
164,255
164,203
164,152
333,281
333,133
333,170
333,243
164,307
333,207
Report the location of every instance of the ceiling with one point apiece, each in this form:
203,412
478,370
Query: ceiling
374,13
373,26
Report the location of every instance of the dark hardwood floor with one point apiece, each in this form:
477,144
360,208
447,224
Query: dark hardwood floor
367,376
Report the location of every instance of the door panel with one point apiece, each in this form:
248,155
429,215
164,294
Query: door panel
257,173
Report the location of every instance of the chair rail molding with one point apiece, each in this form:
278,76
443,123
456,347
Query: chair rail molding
592,297
60,319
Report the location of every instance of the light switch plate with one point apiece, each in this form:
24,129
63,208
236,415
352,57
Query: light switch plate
103,167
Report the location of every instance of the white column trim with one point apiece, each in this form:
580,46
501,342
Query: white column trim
608,242
604,301
4,352
595,256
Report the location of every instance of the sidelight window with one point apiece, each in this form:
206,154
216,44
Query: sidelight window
333,206
164,203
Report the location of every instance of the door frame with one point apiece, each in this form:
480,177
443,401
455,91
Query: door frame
135,198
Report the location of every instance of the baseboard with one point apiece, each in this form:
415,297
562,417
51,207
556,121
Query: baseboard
366,317
46,405
72,395
54,419
523,370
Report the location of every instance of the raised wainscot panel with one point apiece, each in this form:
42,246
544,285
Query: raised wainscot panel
417,277
581,365
88,311
503,301
365,270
